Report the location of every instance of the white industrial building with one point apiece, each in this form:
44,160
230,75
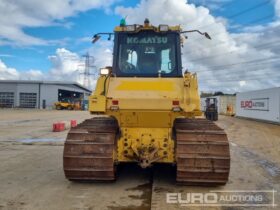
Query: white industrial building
224,102
38,94
259,104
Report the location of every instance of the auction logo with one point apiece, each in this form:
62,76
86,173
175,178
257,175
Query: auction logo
261,104
246,104
241,198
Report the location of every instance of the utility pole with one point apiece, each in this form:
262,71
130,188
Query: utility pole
88,64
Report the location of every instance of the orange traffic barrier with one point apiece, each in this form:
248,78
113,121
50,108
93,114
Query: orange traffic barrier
73,123
58,127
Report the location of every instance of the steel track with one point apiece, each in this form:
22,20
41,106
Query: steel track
202,152
89,149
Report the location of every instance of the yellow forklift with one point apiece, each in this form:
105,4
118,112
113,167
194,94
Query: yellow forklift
211,111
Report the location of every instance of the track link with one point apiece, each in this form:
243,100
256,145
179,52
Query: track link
89,149
202,152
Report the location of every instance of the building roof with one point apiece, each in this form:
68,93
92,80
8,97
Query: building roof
47,83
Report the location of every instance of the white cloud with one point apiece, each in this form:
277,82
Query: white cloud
242,83
18,14
212,4
199,54
6,55
204,56
277,7
32,75
7,73
64,62
102,52
66,66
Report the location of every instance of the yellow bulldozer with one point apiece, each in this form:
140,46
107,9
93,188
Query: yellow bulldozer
147,111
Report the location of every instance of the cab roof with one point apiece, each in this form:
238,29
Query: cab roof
135,28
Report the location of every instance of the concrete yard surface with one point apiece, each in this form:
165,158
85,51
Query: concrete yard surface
31,172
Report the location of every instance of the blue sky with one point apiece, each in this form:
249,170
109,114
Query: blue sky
71,31
81,25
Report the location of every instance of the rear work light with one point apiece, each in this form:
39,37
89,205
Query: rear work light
163,28
176,107
130,28
104,71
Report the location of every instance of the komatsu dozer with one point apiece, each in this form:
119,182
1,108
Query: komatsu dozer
146,110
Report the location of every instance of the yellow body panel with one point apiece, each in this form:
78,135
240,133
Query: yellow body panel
98,99
153,85
145,112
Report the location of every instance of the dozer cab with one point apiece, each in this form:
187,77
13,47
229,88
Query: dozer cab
145,112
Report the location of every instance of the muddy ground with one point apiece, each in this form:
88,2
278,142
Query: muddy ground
31,175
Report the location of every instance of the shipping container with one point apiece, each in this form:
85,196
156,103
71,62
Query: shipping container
260,105
225,103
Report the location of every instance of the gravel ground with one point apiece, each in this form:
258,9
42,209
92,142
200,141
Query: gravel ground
31,175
